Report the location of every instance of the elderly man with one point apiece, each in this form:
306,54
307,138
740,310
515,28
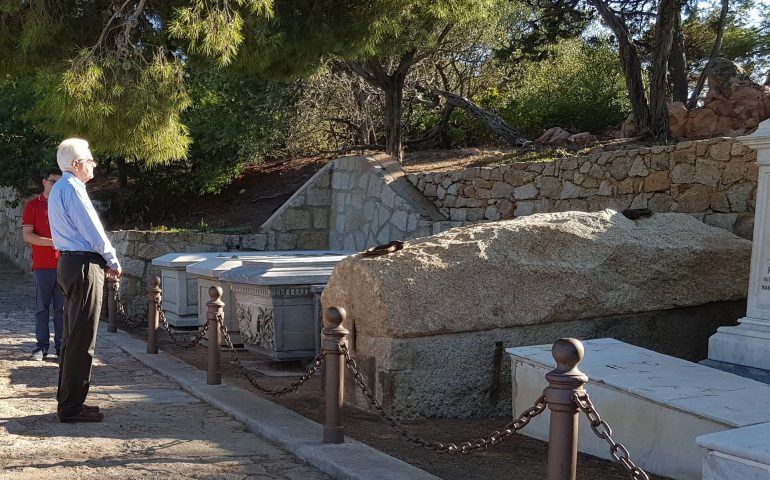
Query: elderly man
37,232
86,256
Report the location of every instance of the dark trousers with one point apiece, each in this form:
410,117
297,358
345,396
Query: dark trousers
82,279
50,299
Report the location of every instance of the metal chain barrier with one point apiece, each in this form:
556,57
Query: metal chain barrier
128,321
463,448
317,362
179,343
603,430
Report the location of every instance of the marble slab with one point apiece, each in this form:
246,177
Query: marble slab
749,443
656,404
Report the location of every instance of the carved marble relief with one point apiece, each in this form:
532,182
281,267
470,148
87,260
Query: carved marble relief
256,324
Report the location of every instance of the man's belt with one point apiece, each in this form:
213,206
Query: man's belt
82,253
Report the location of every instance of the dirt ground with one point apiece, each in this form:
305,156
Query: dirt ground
518,457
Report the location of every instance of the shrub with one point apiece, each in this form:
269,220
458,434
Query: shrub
580,87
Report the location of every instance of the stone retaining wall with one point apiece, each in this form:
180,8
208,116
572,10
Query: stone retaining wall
715,179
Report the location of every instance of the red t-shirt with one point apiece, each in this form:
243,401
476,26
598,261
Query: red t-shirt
35,215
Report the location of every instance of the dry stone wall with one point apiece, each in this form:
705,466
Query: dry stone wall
713,179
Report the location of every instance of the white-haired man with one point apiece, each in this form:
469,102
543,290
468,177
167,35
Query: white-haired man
86,256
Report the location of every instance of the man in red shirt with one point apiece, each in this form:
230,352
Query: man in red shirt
37,232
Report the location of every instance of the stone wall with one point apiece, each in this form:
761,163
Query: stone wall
351,204
12,245
715,179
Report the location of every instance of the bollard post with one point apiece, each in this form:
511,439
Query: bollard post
113,284
153,298
334,369
215,308
564,381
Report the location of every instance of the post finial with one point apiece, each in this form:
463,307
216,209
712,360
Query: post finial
335,316
215,292
153,284
567,352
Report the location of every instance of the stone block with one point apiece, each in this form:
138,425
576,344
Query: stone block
657,182
549,187
696,199
683,173
399,220
318,197
734,171
570,190
313,240
721,151
458,214
491,213
739,196
285,241
297,219
514,177
708,172
638,168
619,167
254,242
525,192
501,190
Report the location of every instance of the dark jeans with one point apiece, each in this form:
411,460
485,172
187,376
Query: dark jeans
82,279
49,295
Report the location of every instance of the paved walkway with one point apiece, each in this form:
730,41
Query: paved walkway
152,428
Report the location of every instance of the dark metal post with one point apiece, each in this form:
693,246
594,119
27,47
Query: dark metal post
334,368
563,382
153,299
215,309
113,284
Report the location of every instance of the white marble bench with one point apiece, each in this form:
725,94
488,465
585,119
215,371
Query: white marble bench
656,404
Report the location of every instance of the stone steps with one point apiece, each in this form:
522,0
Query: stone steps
656,404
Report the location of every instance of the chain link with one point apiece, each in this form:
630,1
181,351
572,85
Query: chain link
603,430
121,310
317,362
179,343
463,448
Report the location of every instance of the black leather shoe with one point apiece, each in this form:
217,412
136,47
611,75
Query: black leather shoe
88,408
82,416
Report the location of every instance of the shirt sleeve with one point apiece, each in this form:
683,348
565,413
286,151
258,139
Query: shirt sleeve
28,215
87,222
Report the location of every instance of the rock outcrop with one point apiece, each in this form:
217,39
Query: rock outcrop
734,106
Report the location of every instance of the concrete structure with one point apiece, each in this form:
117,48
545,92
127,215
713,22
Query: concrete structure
275,303
748,344
656,405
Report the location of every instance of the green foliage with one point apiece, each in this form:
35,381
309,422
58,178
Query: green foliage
136,117
25,151
579,88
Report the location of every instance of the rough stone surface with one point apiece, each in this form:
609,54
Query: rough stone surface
574,265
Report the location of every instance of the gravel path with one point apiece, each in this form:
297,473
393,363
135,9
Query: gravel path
152,428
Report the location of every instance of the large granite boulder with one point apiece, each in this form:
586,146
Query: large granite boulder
428,318
539,269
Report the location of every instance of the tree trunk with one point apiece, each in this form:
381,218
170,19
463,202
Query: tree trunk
394,93
632,67
494,122
392,85
664,35
678,65
120,163
715,49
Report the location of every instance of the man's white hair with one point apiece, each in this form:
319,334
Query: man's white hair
70,150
